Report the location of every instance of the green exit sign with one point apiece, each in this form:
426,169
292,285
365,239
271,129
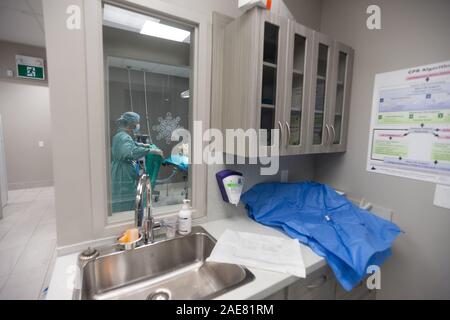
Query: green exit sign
30,67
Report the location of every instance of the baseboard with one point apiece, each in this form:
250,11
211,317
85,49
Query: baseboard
30,184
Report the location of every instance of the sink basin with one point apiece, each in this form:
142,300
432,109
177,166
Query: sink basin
170,269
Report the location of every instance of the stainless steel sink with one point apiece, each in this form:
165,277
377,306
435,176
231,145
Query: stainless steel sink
169,269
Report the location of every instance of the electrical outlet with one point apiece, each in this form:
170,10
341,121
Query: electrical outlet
284,175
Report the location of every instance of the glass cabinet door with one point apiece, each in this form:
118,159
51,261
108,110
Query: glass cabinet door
297,83
321,83
336,124
320,131
269,78
343,61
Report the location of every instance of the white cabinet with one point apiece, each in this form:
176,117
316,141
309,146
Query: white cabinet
298,86
320,103
320,285
279,295
253,72
340,96
278,74
359,292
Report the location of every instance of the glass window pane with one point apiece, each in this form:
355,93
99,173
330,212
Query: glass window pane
269,87
268,122
299,53
297,89
319,108
271,43
148,83
339,104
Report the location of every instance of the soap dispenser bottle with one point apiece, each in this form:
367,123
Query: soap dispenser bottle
185,218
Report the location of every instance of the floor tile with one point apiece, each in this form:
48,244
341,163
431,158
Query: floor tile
44,231
20,234
27,243
9,258
36,254
24,284
3,281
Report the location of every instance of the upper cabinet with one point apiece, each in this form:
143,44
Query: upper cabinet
298,72
281,75
253,73
342,83
320,104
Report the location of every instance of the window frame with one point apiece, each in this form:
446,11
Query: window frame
201,48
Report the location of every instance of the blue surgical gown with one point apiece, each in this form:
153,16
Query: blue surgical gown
349,238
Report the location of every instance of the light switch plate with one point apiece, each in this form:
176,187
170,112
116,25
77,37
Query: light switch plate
41,144
442,196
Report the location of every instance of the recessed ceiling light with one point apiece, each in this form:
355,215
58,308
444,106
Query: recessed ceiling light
155,29
126,19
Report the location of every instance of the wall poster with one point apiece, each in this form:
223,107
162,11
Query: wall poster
410,124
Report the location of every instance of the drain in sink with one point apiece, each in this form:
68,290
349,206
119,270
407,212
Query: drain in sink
159,295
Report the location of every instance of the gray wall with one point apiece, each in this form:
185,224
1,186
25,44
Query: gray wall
8,51
25,109
306,12
414,32
25,112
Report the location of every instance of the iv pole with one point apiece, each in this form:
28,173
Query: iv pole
146,107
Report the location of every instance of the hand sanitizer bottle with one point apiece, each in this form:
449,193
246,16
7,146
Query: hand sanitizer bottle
185,218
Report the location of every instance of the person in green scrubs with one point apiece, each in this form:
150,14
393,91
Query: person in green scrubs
124,168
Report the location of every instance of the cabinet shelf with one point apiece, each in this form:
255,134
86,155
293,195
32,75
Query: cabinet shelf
267,106
270,65
299,72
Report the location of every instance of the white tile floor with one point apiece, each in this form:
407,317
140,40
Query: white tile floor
27,243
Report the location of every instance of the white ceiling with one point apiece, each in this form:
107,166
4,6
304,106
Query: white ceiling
177,71
22,21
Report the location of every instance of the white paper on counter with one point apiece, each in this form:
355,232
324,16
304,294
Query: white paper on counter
260,252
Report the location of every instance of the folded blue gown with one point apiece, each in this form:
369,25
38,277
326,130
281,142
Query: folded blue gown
349,238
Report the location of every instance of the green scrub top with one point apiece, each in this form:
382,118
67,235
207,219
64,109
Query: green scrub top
125,152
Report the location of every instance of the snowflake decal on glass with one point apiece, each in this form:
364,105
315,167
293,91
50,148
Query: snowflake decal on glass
166,126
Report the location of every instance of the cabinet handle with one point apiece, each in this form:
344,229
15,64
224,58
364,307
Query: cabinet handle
328,135
280,126
334,134
288,133
323,280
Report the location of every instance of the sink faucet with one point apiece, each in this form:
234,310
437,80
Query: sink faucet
147,223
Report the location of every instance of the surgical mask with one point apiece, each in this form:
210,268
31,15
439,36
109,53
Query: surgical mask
138,127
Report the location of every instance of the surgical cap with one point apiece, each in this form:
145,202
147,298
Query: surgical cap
128,118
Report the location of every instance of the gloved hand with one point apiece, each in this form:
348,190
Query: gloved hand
157,151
